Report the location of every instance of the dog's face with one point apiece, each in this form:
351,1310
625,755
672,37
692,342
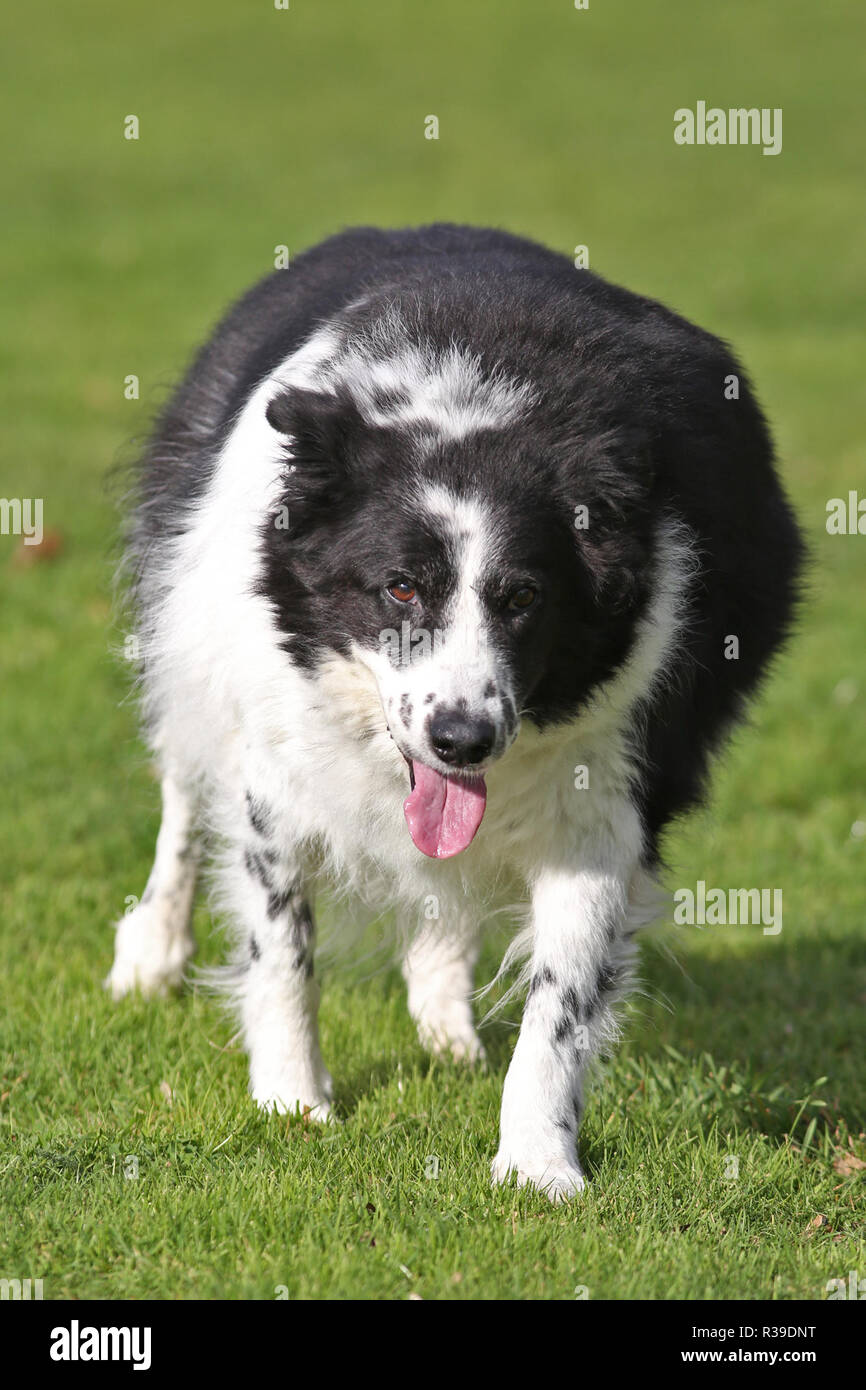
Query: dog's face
454,571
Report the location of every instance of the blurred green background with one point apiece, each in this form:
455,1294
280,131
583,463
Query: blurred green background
258,128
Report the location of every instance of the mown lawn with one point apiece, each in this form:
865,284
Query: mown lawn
724,1141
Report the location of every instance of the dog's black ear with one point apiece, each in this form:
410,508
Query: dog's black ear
614,472
322,432
608,482
320,424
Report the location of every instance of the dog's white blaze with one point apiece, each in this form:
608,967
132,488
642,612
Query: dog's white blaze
460,664
465,659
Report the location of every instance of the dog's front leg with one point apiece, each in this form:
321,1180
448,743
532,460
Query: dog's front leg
580,964
276,991
438,968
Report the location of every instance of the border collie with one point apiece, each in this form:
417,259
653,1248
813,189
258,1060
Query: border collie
436,556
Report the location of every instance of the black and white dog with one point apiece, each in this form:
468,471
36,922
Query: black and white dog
438,553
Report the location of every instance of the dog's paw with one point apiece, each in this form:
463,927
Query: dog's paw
558,1179
460,1045
151,953
445,1029
285,1100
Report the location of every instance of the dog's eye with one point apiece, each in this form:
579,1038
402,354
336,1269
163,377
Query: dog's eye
523,598
402,590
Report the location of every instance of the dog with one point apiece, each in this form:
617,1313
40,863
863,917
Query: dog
453,565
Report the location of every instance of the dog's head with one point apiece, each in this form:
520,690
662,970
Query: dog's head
484,575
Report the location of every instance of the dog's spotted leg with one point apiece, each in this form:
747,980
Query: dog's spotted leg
276,991
154,941
581,964
438,969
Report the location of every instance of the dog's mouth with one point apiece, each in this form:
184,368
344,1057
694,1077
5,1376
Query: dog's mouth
443,813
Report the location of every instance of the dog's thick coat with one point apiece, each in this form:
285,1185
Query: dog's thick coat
438,557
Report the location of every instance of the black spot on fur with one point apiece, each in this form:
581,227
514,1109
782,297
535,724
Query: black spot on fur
258,814
303,961
302,929
256,867
563,1029
579,1012
570,1017
279,901
490,690
570,1001
255,953
543,977
609,977
290,902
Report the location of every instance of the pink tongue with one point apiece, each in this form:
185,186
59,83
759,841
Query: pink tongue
443,813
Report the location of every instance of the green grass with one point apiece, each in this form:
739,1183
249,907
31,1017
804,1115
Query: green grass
259,128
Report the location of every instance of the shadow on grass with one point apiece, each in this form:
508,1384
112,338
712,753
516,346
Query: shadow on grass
745,1040
791,1011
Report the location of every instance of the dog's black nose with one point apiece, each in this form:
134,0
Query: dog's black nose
460,740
